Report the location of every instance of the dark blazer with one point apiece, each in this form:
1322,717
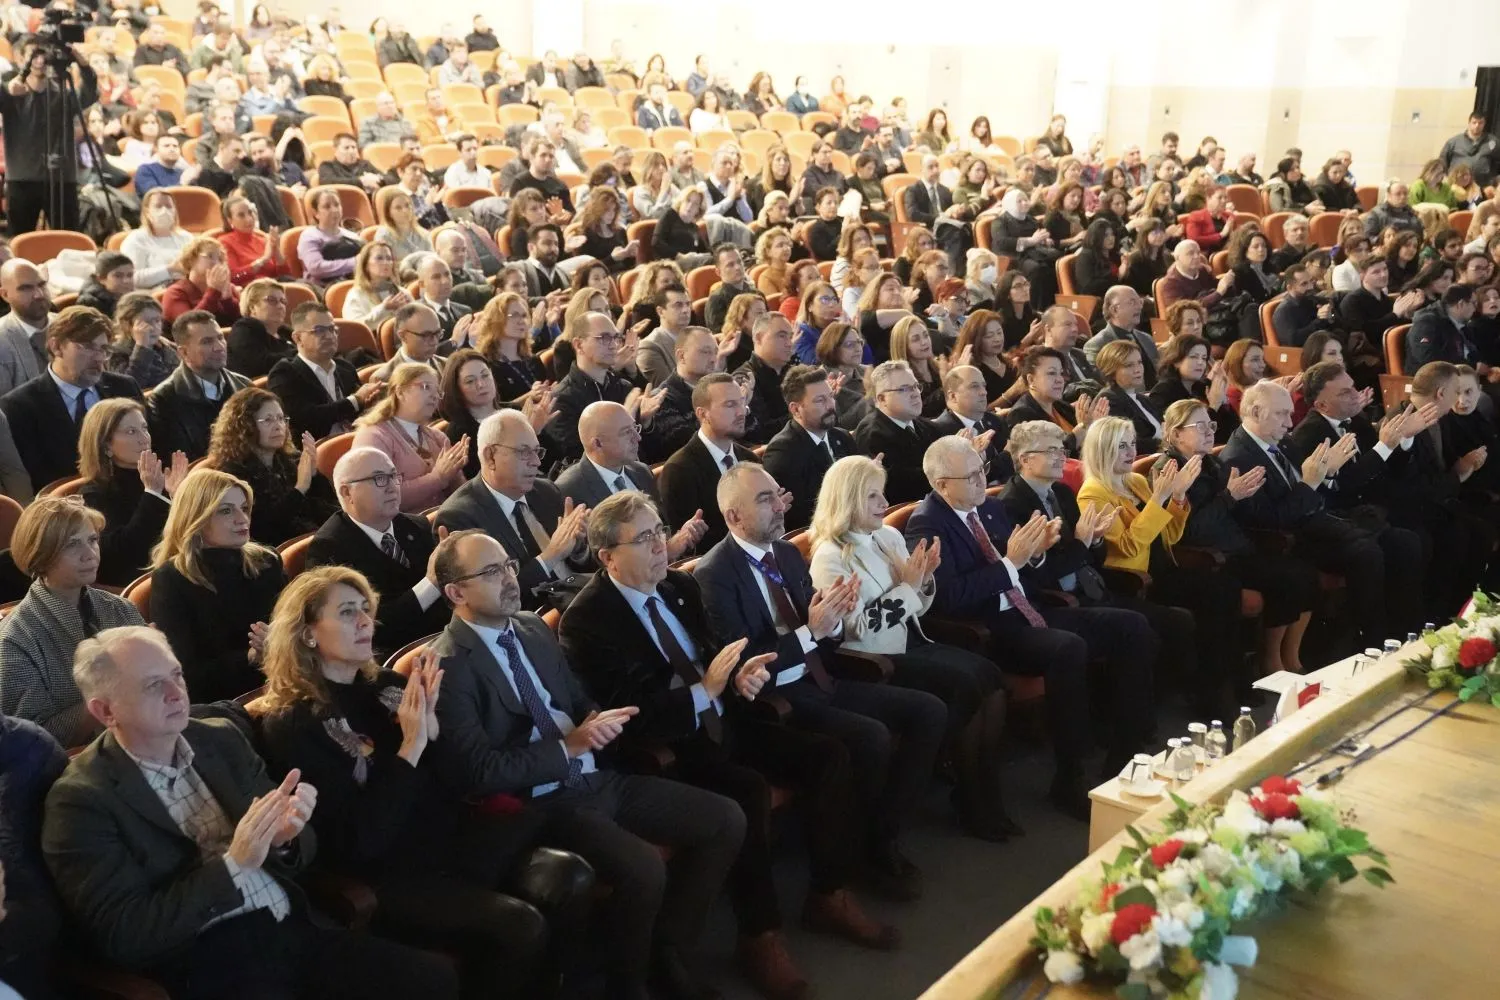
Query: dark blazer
132,525
43,429
798,465
1135,410
473,506
254,350
1363,479
620,664
1170,388
967,584
673,423
486,746
1277,505
182,417
1434,337
570,396
736,608
919,207
1069,555
1001,465
341,542
306,401
137,885
767,405
582,483
449,315
689,482
878,434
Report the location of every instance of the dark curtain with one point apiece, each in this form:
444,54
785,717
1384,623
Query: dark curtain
1487,95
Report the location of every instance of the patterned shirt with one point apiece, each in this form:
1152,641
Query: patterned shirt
198,814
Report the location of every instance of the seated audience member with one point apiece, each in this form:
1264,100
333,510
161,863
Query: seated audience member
656,111
204,284
677,236
597,345
689,478
883,307
1301,311
435,289
251,253
46,412
979,576
430,467
418,334
468,395
544,248
326,249
253,442
1334,190
1288,190
1015,233
1190,277
541,175
30,761
1395,212
348,167
1212,225
166,168
1185,372
1043,374
184,407
212,588
655,358
1368,311
402,233
376,296
257,340
127,483
895,428
186,916
540,529
1122,316
23,329
56,543
966,411
911,342
113,278
769,358
733,282
509,697
1097,268
823,233
139,350
809,443
983,338
1124,373
611,442
637,611
1466,428
1249,257
1439,332
673,423
1379,563
319,389
502,336
892,589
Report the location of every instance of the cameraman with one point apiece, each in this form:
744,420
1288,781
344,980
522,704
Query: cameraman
34,108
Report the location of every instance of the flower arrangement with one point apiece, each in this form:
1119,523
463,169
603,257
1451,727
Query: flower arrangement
1464,655
1158,921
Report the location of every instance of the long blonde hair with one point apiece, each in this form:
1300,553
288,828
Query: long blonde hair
181,544
1100,449
842,493
293,670
99,425
404,375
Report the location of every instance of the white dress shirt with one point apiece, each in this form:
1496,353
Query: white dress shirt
424,590
1010,567
804,633
508,507
637,601
716,453
459,175
1381,448
609,476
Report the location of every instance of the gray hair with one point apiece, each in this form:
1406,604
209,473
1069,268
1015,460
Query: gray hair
605,519
881,374
426,262
493,428
942,455
1258,395
1032,435
1182,249
342,469
730,481
764,322
1113,296
94,663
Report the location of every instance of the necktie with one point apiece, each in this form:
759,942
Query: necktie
1047,503
1283,465
790,619
546,725
533,538
683,666
621,485
729,460
828,450
80,406
937,203
1015,595
392,550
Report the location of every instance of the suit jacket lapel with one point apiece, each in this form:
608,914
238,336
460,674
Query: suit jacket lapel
131,785
484,663
496,516
750,590
541,650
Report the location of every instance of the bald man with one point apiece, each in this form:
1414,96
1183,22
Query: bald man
611,457
23,331
1190,277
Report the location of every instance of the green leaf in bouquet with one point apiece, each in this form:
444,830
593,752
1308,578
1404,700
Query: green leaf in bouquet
1135,894
1378,877
1495,699
1474,683
1343,868
1351,841
1140,841
1466,694
1133,991
1111,962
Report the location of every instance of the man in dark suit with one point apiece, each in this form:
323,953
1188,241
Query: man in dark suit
46,413
927,199
544,248
1370,310
319,390
968,410
980,577
1073,562
435,287
1438,332
516,722
772,336
637,635
597,343
177,854
1381,566
801,453
393,550
894,428
690,479
183,408
672,423
510,501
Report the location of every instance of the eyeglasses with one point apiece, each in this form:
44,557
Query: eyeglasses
526,454
490,573
610,338
828,300
651,536
910,389
381,479
271,420
422,334
976,478
1054,452
1207,426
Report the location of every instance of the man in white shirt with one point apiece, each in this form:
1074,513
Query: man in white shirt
418,330
457,321
466,171
319,390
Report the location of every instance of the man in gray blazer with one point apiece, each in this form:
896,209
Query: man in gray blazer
656,357
1122,313
516,722
23,331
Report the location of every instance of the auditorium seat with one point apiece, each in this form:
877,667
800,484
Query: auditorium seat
138,592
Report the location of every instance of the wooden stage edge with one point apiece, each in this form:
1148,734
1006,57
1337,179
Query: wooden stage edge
1005,959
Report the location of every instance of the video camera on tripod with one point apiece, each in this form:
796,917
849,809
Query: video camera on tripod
60,29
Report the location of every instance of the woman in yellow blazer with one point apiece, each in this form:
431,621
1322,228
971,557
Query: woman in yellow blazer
1152,516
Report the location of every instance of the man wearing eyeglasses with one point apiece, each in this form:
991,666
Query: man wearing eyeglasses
420,333
968,410
319,390
517,722
511,502
896,429
597,343
393,550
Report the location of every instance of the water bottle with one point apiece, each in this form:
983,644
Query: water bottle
1392,646
1182,761
1244,728
1411,637
1218,745
1198,736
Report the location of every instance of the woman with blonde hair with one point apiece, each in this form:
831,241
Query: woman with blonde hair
735,344
774,250
56,544
853,548
654,195
1432,187
919,240
139,349
777,210
504,339
853,238
981,276
376,296
127,483
640,306
677,236
360,735
429,466
912,342
157,244
252,441
864,268
401,231
1158,205
212,588
775,175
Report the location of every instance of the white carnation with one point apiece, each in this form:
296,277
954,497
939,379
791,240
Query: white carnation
1443,658
1217,862
1171,932
1175,880
1287,827
1064,967
1194,835
1143,950
1189,913
1241,817
1095,931
1219,982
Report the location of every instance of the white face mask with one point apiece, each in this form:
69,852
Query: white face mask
987,274
163,216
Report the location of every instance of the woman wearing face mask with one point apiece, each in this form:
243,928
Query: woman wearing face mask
139,350
431,467
801,101
252,441
127,483
155,247
252,253
212,588
981,274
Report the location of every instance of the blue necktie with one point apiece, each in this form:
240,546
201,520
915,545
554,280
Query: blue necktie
545,724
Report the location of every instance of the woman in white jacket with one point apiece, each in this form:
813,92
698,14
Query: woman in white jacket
850,538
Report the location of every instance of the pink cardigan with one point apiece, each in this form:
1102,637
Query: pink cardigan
421,488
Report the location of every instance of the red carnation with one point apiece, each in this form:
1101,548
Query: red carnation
1475,653
1276,784
1166,852
1130,920
1276,805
